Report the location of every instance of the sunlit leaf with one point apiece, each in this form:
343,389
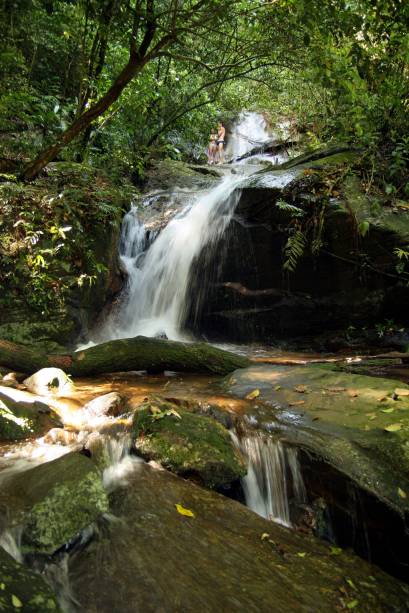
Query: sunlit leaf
352,604
16,602
265,536
183,511
393,427
401,493
253,394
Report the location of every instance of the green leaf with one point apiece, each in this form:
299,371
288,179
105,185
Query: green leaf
16,602
393,427
352,604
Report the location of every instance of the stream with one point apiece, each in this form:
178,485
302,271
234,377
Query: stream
281,484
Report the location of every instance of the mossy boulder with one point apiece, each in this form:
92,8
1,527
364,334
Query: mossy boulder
53,502
186,443
23,415
21,589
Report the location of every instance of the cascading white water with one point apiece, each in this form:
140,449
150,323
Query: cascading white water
155,300
273,471
250,131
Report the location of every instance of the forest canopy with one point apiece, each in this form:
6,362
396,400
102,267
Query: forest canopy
116,82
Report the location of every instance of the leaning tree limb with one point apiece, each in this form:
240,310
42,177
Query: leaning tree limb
139,353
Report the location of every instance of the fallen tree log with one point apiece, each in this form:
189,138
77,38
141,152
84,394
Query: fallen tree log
139,353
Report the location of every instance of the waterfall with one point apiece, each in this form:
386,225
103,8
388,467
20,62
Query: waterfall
250,131
155,301
273,477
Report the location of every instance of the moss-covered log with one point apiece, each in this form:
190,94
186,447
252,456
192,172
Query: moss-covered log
139,353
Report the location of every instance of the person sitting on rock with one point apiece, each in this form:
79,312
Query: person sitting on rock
212,148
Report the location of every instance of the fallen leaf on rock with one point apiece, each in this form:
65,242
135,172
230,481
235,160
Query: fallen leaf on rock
383,399
301,389
253,394
350,583
296,403
352,393
393,427
391,410
335,551
401,391
401,493
336,390
277,388
183,511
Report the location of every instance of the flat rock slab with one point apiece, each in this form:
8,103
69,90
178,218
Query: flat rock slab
225,558
352,421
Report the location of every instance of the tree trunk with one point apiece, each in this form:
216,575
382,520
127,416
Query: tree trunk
139,353
133,67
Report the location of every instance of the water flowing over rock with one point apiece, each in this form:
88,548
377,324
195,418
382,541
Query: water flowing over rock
273,477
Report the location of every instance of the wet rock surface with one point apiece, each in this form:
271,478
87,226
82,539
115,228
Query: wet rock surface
354,433
221,556
23,415
186,443
53,502
23,590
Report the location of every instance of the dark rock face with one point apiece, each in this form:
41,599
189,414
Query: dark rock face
245,295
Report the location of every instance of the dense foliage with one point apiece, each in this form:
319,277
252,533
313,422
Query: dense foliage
340,68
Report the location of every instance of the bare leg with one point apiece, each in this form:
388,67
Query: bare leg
221,153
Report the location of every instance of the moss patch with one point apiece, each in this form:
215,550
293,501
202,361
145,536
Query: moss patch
55,501
23,590
186,443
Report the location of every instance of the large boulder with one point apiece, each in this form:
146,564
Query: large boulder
21,589
22,415
352,432
53,502
186,443
344,272
180,547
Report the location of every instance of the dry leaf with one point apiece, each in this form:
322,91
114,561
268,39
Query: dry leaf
301,389
336,390
265,536
393,427
400,391
253,395
277,388
353,393
296,403
183,511
401,493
